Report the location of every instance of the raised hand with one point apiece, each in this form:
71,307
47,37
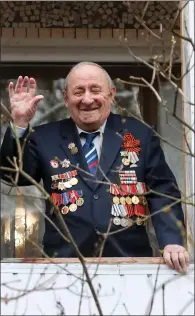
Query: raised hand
23,100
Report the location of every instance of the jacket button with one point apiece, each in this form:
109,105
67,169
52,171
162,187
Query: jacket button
96,197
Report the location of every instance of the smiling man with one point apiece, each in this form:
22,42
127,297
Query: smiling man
98,167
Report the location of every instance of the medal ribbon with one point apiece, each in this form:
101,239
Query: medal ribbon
131,144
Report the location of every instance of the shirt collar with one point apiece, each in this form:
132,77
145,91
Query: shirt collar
101,129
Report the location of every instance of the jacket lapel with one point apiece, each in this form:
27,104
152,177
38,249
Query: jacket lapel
69,134
112,141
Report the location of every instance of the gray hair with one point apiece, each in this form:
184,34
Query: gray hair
110,82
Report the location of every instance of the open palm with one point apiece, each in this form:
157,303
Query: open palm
23,100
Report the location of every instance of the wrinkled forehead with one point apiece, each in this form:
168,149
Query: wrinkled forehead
85,75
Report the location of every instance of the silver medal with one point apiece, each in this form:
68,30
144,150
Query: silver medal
117,221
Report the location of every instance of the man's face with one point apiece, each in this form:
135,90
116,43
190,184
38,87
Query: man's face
89,97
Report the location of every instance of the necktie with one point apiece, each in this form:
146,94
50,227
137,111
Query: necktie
90,151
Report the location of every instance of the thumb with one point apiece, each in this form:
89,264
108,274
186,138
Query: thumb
37,99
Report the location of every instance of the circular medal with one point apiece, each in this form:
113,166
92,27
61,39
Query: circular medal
74,150
54,185
67,184
122,200
72,207
116,221
144,201
135,200
130,222
138,221
116,200
80,202
128,200
125,161
73,181
65,210
124,222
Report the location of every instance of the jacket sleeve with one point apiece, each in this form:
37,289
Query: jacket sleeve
31,163
159,177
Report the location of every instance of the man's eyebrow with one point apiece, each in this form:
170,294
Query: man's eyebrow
92,85
78,87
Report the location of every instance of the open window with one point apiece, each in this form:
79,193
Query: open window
28,223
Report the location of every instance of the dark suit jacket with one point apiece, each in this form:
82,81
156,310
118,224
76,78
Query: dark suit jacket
52,140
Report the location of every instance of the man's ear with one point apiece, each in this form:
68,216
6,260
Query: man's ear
65,98
113,93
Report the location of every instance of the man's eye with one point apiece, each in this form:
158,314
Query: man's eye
95,90
78,92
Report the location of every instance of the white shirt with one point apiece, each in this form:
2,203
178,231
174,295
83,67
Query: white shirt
97,140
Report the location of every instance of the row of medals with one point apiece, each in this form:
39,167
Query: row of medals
70,180
118,209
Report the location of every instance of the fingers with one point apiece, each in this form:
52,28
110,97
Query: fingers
22,85
177,260
19,84
187,257
182,261
32,88
167,258
11,89
37,99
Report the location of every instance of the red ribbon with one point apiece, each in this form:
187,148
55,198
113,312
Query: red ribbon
131,144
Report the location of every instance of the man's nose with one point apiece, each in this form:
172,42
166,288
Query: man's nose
87,98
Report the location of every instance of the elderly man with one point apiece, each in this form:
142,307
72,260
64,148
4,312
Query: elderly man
98,167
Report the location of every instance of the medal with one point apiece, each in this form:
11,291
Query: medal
54,185
116,200
67,184
73,181
65,163
65,210
138,221
122,200
72,207
54,163
124,222
73,149
135,199
80,201
125,161
130,222
128,200
116,221
61,186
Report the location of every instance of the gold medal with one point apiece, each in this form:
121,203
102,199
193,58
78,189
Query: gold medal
125,161
80,202
135,200
72,207
122,200
130,222
74,150
65,210
128,200
144,201
116,200
73,181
